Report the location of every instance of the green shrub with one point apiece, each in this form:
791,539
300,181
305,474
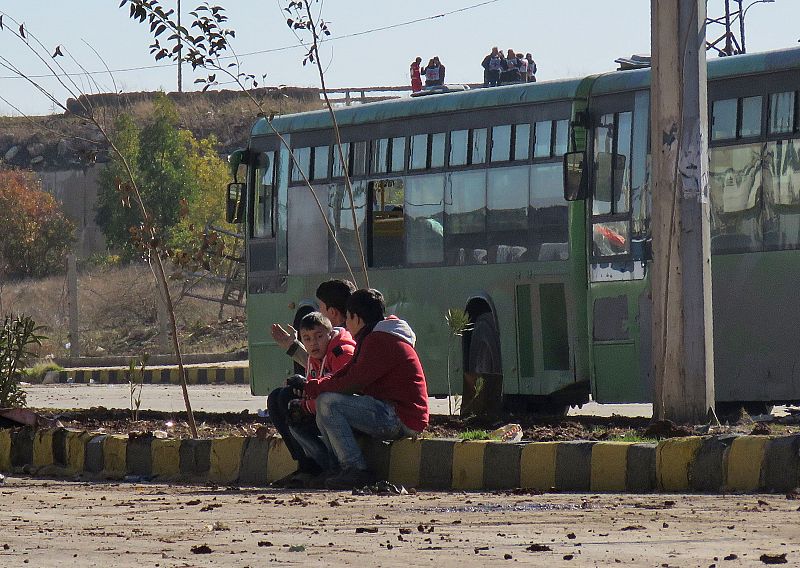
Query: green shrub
36,373
17,338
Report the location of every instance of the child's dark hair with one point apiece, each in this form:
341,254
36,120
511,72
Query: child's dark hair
335,293
367,304
315,319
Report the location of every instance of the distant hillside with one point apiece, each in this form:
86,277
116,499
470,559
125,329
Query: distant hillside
69,141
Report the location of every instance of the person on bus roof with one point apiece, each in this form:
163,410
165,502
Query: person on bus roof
388,377
416,79
531,68
492,65
510,73
434,73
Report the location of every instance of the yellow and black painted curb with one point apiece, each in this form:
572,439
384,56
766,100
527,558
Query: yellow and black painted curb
693,464
239,375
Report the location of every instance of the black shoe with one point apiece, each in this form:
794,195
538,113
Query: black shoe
293,480
350,478
318,481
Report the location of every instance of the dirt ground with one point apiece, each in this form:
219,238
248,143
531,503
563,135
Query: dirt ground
54,523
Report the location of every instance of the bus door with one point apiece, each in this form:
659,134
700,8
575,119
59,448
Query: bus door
546,332
619,303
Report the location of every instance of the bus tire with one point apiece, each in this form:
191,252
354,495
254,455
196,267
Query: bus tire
483,373
484,347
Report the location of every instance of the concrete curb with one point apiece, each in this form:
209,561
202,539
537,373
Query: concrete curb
160,375
694,464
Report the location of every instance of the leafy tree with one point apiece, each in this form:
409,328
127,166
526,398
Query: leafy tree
35,235
171,167
207,206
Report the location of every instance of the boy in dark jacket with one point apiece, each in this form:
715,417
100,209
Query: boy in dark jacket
387,375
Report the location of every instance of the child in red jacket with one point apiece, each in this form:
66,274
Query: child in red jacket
329,350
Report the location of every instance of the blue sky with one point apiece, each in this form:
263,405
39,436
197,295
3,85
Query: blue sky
567,38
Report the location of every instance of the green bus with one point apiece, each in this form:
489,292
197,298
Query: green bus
459,202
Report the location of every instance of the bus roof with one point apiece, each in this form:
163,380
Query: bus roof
433,104
562,89
718,68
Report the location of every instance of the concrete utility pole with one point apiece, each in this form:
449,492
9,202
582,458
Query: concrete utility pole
72,300
683,353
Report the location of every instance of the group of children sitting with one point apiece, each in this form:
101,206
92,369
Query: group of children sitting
362,375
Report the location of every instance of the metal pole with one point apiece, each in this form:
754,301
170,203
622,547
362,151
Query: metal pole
728,45
741,25
681,277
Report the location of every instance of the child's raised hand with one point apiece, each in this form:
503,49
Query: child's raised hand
283,337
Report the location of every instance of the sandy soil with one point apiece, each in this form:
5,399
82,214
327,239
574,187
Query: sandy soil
54,523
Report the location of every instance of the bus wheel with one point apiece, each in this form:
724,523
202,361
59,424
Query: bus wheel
483,376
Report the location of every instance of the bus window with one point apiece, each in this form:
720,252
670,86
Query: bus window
723,119
397,156
507,214
320,160
388,229
337,171
341,219
359,159
465,217
419,152
459,144
501,143
301,165
751,117
424,212
782,225
264,196
622,178
548,211
522,141
562,138
307,237
379,161
603,151
437,150
781,113
478,146
543,134
735,181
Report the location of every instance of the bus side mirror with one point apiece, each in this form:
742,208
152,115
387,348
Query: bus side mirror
234,202
576,186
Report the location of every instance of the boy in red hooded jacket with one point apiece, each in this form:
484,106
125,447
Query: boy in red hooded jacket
329,350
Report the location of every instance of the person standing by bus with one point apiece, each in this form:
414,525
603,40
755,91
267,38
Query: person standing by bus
416,79
492,65
386,373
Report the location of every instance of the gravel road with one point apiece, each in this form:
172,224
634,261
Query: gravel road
55,523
